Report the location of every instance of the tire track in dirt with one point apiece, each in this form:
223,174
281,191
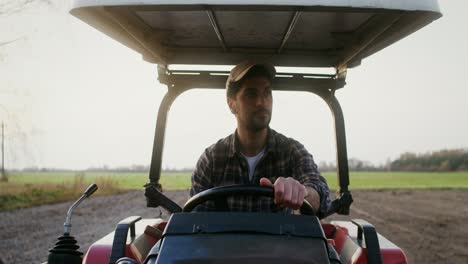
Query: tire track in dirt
417,236
437,219
435,235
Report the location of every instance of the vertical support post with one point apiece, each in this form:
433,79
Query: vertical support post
343,203
153,189
342,152
158,145
3,176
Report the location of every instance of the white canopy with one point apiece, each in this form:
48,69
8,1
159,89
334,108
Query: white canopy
309,33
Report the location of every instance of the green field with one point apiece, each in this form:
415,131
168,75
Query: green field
181,181
170,181
403,180
32,189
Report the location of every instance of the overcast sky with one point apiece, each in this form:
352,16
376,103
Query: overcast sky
73,98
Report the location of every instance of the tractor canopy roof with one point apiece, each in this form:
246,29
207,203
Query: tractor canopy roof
300,33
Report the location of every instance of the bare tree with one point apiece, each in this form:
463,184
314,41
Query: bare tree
3,176
2,44
8,42
9,7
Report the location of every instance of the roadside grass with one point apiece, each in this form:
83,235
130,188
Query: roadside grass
32,189
169,181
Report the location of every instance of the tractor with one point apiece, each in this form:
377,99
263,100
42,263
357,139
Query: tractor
336,34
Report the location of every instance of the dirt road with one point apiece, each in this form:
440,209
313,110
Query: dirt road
432,226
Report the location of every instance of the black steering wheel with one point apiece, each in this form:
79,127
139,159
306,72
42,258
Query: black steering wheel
219,196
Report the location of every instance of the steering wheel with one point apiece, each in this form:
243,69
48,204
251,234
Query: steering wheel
220,194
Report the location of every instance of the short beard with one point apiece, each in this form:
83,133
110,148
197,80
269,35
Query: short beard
256,125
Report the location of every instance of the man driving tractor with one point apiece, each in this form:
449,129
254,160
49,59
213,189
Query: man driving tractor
258,155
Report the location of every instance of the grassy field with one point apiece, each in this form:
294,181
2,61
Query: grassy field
30,189
403,180
177,181
170,181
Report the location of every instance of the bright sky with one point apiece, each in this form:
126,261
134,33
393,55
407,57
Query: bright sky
70,97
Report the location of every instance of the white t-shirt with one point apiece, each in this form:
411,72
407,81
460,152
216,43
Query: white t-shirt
253,161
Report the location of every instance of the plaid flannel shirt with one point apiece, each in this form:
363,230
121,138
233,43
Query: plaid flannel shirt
222,164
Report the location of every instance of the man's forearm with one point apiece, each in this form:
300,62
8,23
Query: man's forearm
313,197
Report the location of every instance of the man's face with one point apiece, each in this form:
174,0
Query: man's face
252,104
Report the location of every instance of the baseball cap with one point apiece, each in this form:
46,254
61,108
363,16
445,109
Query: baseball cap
241,69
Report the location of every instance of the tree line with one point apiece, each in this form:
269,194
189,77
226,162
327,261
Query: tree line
443,160
436,161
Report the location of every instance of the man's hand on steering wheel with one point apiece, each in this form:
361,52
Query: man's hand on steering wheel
220,194
288,192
